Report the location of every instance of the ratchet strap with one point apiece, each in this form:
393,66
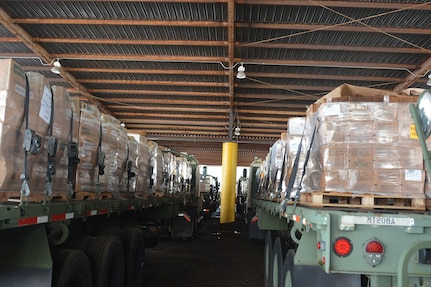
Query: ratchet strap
31,145
73,161
52,152
100,162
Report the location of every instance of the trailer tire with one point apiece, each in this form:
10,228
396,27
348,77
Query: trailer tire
134,255
107,260
269,240
288,269
277,261
71,268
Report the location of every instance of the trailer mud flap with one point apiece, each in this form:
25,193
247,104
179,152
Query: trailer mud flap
268,221
314,276
26,257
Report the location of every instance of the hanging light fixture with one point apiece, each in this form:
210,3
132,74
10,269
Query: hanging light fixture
56,67
429,79
241,72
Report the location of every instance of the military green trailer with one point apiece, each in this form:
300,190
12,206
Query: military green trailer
80,196
331,239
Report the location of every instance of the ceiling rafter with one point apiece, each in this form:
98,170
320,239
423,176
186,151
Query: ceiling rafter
183,90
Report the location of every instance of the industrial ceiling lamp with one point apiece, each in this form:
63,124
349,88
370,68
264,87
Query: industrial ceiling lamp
56,67
241,72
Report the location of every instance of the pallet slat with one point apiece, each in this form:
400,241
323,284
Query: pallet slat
363,201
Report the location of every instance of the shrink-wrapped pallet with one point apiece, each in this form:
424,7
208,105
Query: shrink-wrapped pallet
143,175
63,129
88,142
170,173
183,175
13,124
156,167
129,178
114,149
364,143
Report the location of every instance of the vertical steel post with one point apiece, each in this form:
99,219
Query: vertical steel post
228,190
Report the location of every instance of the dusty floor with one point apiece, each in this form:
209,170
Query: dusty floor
219,256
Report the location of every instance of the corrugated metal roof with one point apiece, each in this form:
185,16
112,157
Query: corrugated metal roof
174,63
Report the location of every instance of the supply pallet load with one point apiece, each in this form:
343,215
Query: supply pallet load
344,195
77,191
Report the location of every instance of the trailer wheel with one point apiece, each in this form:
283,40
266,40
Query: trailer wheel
107,259
134,253
277,262
288,269
268,256
71,268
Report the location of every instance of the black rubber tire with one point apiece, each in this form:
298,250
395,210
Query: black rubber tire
277,263
288,269
81,242
71,268
268,258
107,261
134,256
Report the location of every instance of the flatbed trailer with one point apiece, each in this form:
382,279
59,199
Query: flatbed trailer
32,232
402,260
333,238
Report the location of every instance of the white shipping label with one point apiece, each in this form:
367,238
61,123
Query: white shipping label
45,105
413,175
332,110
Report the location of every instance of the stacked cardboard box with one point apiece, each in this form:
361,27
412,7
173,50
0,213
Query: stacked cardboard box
156,167
363,143
129,178
143,161
63,129
13,124
87,174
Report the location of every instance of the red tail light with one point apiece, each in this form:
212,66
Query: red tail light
373,250
374,246
343,246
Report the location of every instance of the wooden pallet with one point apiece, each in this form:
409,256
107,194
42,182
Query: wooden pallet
86,195
33,197
363,201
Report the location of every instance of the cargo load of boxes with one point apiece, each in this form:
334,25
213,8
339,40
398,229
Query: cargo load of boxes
357,150
53,146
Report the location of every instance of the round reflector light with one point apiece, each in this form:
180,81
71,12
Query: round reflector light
343,246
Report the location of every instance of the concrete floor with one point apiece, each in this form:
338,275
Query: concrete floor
219,256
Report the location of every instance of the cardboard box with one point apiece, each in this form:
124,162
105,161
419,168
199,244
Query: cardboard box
295,126
12,77
88,140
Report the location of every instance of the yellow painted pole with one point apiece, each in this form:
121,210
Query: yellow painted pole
227,196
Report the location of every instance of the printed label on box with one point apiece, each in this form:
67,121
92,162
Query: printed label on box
332,110
413,175
45,107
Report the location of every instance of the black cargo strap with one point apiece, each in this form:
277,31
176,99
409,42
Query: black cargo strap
32,143
52,152
295,166
100,162
73,160
280,185
307,157
129,165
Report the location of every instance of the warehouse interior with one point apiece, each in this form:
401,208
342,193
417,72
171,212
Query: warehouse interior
168,69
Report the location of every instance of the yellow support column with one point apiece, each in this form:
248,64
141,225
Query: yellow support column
227,196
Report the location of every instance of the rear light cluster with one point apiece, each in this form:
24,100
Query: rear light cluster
343,247
373,251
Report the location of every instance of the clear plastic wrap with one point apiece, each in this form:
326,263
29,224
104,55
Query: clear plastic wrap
89,135
143,175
